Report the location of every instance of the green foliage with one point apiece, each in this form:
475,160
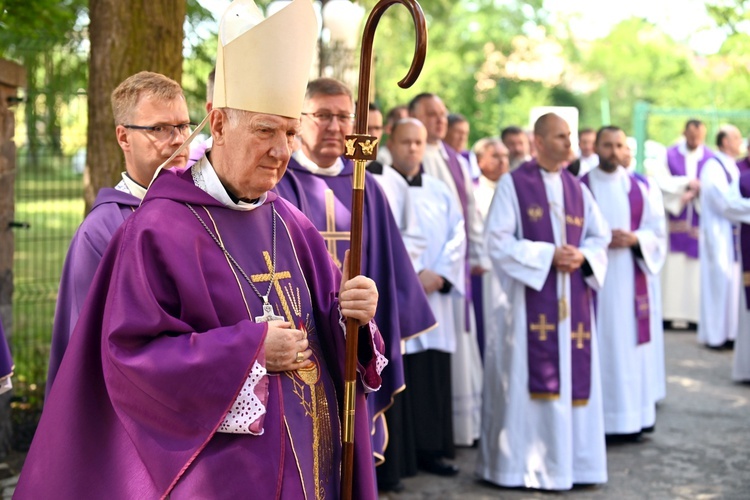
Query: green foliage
459,34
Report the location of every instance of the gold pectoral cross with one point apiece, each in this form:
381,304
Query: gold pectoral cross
332,236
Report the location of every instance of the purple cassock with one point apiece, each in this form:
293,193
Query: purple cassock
165,343
744,164
6,360
542,307
403,309
683,233
110,210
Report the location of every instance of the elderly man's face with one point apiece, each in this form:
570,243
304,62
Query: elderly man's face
255,151
145,150
326,121
494,161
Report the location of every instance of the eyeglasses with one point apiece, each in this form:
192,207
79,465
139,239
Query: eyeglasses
164,132
324,118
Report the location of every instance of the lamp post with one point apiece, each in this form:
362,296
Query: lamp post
339,25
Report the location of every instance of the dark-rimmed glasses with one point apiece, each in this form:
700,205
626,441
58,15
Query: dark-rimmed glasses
324,118
164,132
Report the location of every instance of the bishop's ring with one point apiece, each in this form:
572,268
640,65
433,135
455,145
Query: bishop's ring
299,358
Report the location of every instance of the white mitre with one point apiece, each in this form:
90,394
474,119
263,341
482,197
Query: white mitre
263,65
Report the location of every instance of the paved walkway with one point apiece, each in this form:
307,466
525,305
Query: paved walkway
700,449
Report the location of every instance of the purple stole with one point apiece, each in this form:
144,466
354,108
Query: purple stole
457,173
744,164
745,239
542,307
683,234
642,308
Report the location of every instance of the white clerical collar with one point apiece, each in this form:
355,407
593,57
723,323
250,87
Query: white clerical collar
204,176
128,185
683,149
310,165
609,176
485,181
546,174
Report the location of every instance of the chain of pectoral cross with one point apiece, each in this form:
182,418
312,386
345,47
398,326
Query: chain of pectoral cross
236,264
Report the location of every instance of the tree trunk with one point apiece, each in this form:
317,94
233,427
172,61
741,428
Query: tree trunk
126,37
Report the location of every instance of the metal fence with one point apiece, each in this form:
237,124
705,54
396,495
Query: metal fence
49,203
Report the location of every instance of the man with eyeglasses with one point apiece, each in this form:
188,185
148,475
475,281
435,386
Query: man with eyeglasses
152,121
319,182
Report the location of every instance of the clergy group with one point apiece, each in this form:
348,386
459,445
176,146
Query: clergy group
512,295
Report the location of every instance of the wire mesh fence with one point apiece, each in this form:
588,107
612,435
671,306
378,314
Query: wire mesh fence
49,205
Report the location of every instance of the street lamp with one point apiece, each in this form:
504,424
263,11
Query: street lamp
339,23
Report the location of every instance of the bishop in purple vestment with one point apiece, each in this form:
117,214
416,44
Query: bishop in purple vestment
208,358
319,182
147,100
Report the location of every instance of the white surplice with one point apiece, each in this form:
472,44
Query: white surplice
681,274
396,191
629,370
720,269
441,220
738,209
529,442
466,362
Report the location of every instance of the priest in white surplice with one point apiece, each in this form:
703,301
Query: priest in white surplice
543,425
626,322
678,178
493,160
738,208
441,161
427,417
719,260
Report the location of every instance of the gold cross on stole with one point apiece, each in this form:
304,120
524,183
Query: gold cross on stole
280,275
332,236
580,335
542,327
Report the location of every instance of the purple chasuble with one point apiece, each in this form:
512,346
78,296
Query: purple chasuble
6,360
110,210
683,233
745,239
744,165
164,344
403,310
542,307
642,307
